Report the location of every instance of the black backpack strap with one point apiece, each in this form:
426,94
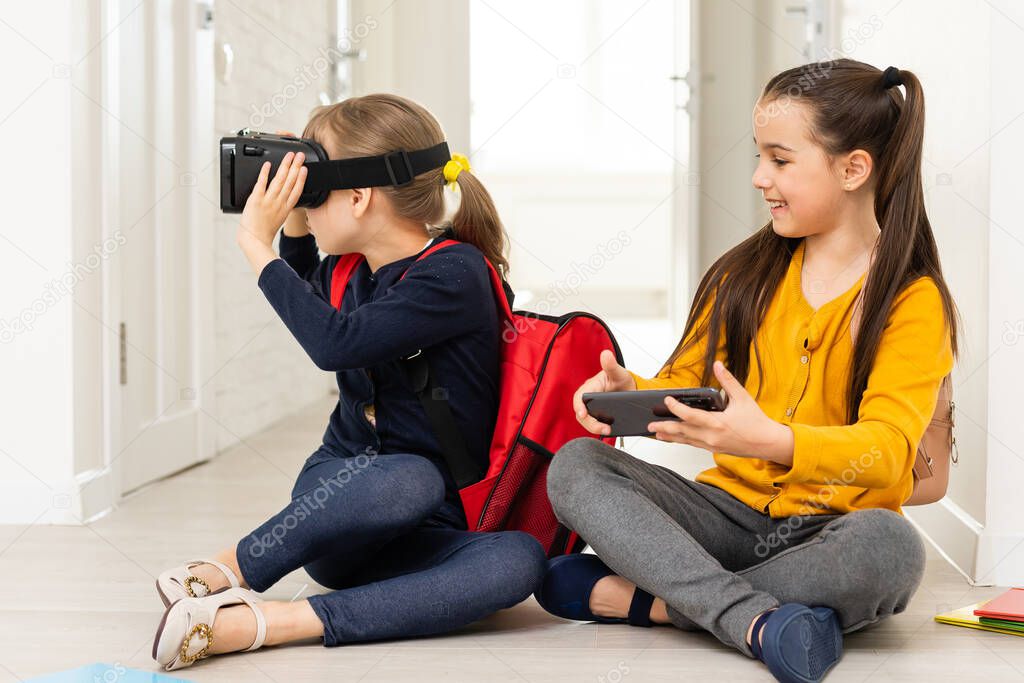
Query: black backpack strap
434,400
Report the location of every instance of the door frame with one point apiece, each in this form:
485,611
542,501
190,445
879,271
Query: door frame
685,233
100,488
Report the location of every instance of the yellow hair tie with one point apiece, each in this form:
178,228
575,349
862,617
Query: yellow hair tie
453,168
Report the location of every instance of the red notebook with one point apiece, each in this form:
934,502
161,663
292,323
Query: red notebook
1008,606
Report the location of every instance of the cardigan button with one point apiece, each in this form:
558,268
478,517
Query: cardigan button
789,412
803,359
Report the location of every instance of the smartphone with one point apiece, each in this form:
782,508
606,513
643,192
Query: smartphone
629,412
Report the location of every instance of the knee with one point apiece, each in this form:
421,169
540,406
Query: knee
519,568
415,487
572,467
414,475
892,553
896,538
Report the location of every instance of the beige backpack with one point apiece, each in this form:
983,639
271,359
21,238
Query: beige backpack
938,445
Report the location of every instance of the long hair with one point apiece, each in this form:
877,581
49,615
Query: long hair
849,108
382,123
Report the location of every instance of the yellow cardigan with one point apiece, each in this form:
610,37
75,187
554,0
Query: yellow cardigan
837,467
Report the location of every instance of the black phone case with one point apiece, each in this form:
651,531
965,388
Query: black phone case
629,412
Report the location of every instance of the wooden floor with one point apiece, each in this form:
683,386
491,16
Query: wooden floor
76,595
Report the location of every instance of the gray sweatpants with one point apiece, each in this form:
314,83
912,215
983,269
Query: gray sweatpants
716,562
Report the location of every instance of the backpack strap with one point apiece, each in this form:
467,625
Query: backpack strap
340,276
434,399
419,377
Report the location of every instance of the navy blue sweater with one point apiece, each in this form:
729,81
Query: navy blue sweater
444,306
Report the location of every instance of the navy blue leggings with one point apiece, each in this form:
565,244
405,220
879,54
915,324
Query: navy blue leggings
377,530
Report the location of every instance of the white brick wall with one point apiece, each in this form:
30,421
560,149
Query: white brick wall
264,374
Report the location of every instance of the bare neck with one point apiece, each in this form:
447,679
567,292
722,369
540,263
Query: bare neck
396,242
846,246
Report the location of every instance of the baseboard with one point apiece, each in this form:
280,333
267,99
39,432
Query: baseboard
82,499
952,531
1000,559
96,495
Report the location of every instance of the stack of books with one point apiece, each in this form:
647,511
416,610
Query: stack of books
1004,614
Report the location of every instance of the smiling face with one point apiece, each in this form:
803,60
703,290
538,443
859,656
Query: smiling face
794,173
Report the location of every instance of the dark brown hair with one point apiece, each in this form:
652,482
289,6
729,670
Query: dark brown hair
378,124
849,108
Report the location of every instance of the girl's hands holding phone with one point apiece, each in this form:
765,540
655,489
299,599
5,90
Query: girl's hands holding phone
613,377
741,429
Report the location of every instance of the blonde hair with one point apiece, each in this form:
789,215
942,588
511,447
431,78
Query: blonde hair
382,123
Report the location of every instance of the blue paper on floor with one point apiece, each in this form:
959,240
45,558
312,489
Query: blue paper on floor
105,673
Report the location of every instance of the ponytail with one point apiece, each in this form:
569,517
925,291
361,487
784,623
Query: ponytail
906,245
476,221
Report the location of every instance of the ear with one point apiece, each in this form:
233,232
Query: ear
855,169
360,201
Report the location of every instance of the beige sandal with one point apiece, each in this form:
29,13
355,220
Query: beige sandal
190,620
179,583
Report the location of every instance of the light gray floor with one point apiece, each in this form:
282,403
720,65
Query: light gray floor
76,595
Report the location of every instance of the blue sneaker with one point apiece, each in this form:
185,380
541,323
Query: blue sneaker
565,591
799,644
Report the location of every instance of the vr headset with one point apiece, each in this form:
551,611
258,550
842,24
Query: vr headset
242,156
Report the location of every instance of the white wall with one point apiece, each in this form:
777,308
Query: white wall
420,55
1000,555
276,80
968,172
731,47
38,243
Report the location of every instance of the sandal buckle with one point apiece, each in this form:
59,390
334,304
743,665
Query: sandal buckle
202,630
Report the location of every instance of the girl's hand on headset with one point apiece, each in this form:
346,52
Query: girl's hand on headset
295,225
613,377
741,429
269,204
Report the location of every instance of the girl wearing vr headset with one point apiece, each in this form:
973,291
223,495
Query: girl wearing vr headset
796,535
375,514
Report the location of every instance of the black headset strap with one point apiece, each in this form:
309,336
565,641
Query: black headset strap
396,168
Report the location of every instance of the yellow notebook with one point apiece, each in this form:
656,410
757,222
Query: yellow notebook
965,617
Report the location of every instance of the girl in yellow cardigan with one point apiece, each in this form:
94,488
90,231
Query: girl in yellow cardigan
796,535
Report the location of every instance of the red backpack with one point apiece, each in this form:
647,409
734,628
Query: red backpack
544,359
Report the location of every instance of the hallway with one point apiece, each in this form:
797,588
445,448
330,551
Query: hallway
86,594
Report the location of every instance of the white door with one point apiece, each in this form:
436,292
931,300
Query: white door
686,272
161,151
